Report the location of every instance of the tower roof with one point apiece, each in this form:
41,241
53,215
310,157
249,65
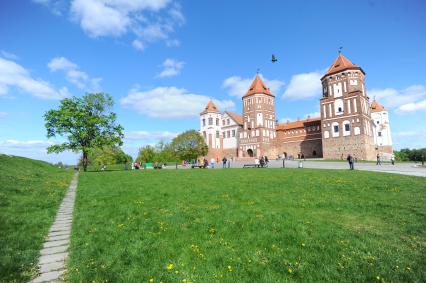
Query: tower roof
257,86
211,107
340,64
377,107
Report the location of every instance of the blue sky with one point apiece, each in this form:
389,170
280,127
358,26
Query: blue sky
162,60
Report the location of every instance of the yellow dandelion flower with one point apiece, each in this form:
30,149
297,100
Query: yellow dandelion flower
303,244
169,266
378,277
290,270
229,268
177,271
151,280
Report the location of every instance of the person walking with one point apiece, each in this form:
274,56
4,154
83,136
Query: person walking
212,162
224,160
350,160
393,159
378,162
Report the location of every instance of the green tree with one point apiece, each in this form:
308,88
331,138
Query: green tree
85,122
146,154
189,145
107,155
164,152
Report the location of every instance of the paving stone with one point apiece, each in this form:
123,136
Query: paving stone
54,250
53,234
49,276
53,258
49,267
56,243
58,237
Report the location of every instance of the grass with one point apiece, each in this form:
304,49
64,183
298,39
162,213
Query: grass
248,225
30,193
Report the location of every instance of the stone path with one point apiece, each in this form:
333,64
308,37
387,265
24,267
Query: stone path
55,250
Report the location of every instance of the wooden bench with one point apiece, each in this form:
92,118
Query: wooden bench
251,166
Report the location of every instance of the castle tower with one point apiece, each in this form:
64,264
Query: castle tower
210,127
258,133
382,132
346,121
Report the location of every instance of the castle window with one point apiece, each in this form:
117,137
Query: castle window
377,122
380,134
204,122
228,121
233,133
347,127
223,122
217,121
217,134
340,109
210,121
336,128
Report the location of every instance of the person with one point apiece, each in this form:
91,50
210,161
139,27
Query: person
224,160
212,162
350,159
379,162
393,159
262,161
205,163
266,160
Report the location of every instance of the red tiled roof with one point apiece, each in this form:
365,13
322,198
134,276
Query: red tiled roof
257,86
236,117
377,107
296,124
210,108
341,63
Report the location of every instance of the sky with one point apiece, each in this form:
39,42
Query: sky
162,60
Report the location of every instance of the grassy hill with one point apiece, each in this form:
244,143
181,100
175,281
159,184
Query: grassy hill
30,194
249,225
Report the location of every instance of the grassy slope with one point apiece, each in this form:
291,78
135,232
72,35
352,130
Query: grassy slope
30,193
249,225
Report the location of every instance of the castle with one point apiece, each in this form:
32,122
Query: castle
348,123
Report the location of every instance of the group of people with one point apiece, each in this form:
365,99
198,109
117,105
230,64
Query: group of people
204,163
351,160
262,162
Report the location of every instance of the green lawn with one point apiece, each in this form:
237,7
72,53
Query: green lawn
30,194
248,225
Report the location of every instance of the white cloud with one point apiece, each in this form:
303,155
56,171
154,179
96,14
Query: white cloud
9,55
412,107
36,149
171,67
74,75
137,44
238,86
304,85
14,75
146,135
404,134
170,102
409,139
405,100
147,20
56,7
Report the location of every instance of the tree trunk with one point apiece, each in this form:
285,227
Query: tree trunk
85,160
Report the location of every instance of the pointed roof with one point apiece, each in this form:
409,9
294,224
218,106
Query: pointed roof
377,107
340,64
236,117
210,108
257,86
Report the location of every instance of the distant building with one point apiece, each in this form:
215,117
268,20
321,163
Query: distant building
348,123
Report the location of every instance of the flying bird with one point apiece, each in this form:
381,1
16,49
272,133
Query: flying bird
274,59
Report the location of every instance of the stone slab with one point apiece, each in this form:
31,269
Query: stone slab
53,266
48,276
54,250
53,258
58,237
56,243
